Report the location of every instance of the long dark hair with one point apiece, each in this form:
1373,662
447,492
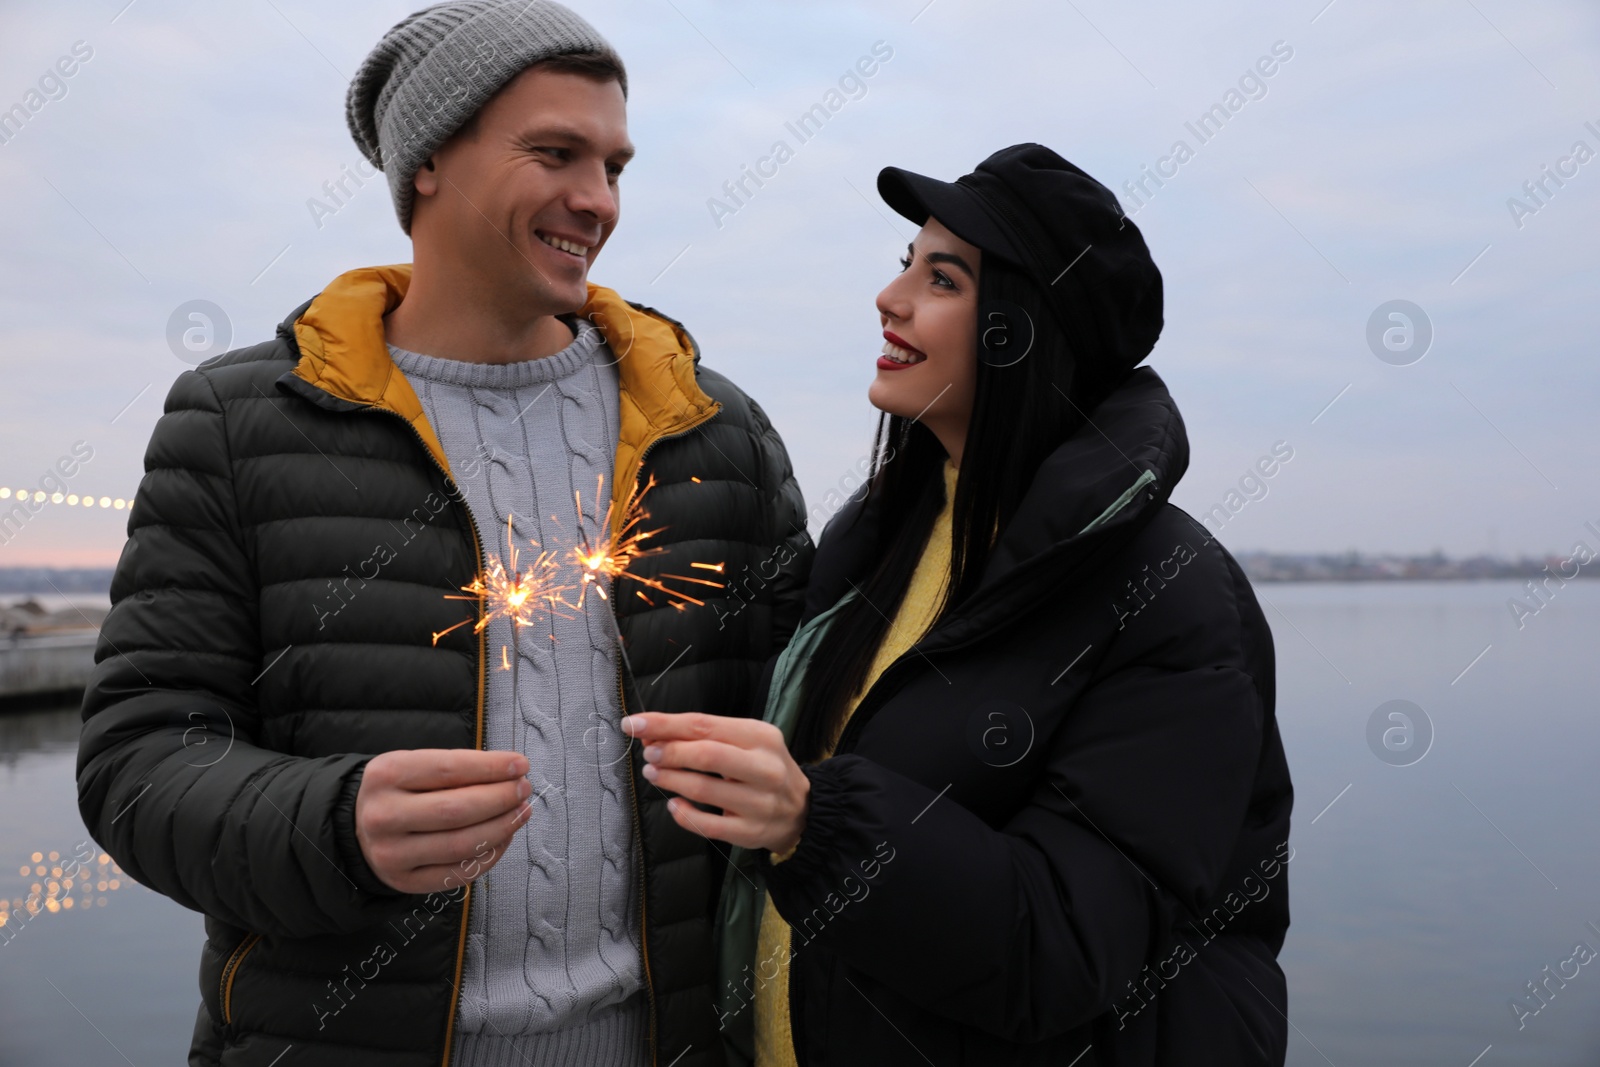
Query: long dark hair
1020,412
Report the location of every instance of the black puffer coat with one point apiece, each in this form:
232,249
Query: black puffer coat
1055,831
290,553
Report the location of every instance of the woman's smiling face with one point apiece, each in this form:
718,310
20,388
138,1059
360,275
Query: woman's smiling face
929,367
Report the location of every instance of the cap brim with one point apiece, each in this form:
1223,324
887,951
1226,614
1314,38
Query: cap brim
959,208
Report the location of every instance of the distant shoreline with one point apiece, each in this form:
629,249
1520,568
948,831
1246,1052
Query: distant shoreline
1437,567
52,581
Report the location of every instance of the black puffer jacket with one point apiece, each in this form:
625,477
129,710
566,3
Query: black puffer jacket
290,554
1055,831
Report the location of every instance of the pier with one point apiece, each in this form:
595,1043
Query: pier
46,656
45,668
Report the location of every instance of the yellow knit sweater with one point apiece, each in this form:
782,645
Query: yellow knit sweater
774,1042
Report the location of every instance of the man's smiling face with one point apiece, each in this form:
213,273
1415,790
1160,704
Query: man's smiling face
524,197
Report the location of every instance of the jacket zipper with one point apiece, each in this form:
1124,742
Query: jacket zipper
230,970
638,852
874,698
483,681
483,684
633,789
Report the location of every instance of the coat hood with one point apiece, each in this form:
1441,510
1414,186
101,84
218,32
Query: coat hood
1126,459
1088,496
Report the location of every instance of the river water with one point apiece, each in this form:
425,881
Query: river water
1442,860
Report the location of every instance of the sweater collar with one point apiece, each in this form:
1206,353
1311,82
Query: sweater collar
343,355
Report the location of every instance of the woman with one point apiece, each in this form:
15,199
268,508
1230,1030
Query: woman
1019,797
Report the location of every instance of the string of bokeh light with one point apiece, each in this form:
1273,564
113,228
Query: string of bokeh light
53,892
39,496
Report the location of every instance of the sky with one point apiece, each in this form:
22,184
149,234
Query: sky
1384,159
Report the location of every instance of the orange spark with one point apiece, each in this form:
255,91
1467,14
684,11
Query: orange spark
613,555
509,593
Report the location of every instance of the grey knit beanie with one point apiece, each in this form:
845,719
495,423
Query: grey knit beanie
437,67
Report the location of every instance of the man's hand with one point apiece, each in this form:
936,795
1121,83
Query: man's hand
762,791
433,819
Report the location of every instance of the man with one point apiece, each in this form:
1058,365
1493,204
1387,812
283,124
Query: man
407,811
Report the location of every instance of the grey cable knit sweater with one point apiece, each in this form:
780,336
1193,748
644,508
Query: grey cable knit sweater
553,973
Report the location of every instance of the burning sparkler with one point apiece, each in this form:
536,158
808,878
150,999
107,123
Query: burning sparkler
509,593
612,556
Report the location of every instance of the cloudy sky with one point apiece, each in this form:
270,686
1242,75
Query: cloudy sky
178,161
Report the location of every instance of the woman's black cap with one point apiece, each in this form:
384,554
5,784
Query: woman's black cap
1067,232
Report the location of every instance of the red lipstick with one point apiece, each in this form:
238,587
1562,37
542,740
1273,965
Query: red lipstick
885,363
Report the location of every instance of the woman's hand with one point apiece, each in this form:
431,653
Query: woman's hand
762,791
